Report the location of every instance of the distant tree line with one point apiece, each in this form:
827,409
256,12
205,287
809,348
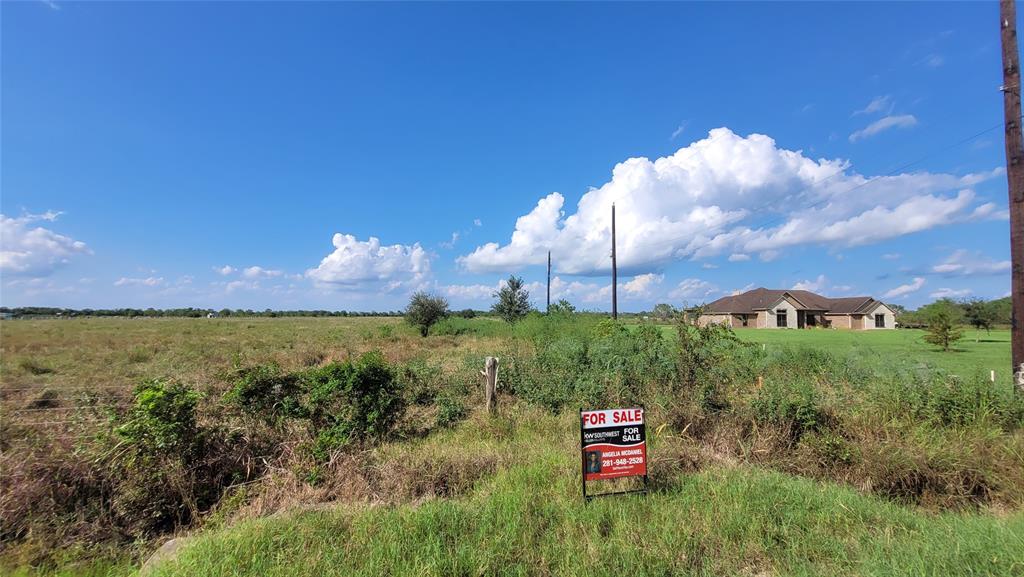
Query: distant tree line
978,313
189,312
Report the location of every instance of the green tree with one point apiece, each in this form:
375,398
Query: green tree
424,310
664,312
513,300
943,323
979,314
562,307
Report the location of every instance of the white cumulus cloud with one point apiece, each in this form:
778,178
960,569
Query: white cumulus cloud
719,196
641,286
905,289
254,272
948,293
35,251
815,286
371,265
692,289
963,263
225,270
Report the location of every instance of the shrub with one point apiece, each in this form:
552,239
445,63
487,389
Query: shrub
794,404
562,308
591,364
420,380
450,410
171,468
163,417
266,392
831,448
453,327
713,354
354,401
327,388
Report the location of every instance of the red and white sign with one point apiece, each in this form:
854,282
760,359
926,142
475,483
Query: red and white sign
614,443
612,417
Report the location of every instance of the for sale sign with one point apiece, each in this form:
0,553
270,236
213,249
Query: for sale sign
614,444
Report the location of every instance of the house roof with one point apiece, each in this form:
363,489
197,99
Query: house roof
762,298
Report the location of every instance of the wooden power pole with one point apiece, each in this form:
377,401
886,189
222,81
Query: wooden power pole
1014,177
549,282
615,273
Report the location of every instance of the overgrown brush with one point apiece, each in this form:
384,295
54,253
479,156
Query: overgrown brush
367,429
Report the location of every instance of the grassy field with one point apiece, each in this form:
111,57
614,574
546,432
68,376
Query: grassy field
862,454
976,354
530,520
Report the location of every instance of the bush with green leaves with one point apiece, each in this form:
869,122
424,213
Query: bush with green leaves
453,327
354,401
421,380
604,363
162,417
170,468
713,354
790,403
268,393
561,307
450,410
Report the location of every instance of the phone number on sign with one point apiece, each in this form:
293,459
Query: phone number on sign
620,462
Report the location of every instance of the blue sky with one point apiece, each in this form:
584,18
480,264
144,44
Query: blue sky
341,156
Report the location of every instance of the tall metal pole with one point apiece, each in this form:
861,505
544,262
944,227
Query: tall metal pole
549,282
1014,177
615,273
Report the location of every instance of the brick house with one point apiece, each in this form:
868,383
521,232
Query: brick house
773,309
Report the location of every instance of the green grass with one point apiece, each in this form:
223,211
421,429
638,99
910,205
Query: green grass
501,496
529,519
904,346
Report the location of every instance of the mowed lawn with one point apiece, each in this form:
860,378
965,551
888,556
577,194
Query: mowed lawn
976,354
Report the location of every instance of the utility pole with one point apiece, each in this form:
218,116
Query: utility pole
615,273
549,282
1014,178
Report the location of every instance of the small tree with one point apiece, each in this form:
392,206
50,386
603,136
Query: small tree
513,300
664,312
562,307
943,324
424,310
979,314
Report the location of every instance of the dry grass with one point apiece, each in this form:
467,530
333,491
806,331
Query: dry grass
62,380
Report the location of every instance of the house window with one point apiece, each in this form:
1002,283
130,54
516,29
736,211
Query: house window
879,321
780,318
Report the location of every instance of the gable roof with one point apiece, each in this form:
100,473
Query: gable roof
850,305
762,298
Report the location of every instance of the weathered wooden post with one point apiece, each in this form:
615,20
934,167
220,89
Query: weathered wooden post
490,374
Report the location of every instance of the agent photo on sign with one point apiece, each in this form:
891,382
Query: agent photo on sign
593,461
